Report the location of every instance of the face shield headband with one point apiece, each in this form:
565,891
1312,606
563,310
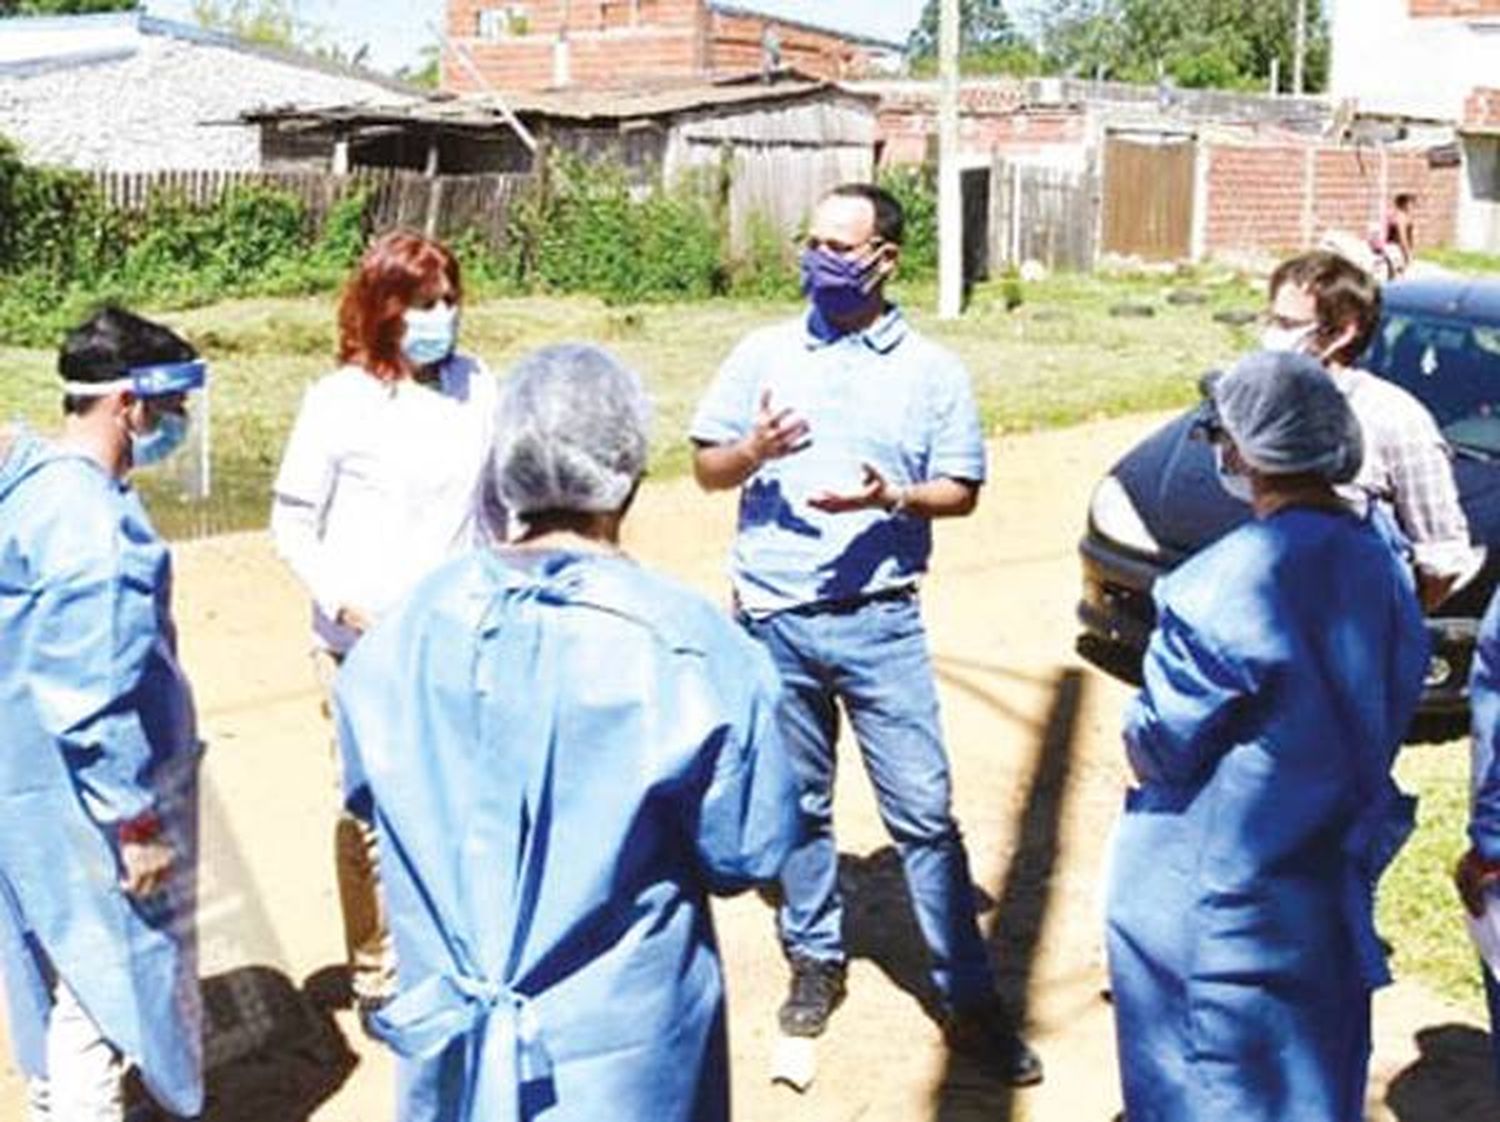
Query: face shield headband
154,380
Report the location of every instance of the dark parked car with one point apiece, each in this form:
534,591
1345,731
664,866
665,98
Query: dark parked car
1440,340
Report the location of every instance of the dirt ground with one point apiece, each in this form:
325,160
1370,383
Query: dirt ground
1034,739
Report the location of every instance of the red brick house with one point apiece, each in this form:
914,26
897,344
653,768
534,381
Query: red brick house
595,44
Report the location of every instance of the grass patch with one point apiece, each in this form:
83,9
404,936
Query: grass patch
1057,359
1418,911
1463,261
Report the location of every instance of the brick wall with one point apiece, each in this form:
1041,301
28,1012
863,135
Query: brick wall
1284,197
545,17
908,133
1426,9
595,59
734,45
617,42
610,42
1482,109
1255,198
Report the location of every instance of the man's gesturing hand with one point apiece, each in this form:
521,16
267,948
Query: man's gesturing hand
875,491
777,432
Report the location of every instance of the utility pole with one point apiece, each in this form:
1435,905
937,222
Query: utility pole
1299,48
950,189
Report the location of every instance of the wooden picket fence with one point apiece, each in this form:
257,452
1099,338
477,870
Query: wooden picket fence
441,206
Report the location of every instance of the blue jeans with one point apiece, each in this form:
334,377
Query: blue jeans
873,659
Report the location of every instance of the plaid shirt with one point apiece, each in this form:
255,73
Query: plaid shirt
1408,467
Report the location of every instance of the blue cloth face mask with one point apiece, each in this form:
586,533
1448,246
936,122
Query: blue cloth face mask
838,286
430,333
165,438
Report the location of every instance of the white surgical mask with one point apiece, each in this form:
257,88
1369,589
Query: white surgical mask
1287,338
1235,483
430,333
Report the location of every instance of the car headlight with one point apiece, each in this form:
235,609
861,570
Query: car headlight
1114,516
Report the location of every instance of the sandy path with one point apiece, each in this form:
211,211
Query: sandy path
1033,736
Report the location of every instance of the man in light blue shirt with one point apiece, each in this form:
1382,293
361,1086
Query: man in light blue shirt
846,433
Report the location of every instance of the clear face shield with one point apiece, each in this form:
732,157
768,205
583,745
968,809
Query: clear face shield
175,445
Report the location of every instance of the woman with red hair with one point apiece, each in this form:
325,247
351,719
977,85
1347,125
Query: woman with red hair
380,482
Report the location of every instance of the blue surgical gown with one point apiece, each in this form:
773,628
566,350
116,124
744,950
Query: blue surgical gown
564,755
1286,664
99,729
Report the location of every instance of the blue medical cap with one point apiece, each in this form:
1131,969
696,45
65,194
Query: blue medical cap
1286,416
570,431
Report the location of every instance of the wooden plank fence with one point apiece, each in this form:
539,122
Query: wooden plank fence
1043,214
440,206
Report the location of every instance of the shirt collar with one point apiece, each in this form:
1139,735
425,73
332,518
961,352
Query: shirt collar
882,336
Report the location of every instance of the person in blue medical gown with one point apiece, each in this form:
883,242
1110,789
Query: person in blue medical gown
1284,669
98,761
563,755
1478,872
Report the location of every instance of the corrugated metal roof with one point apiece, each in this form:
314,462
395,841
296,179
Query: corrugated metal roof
485,111
668,99
39,44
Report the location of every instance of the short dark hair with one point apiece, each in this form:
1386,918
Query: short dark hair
1342,293
890,218
1404,199
111,342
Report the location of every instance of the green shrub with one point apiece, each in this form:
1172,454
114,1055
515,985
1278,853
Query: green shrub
767,269
916,190
584,227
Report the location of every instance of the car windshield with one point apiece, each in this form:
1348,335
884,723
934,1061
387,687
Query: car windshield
1453,367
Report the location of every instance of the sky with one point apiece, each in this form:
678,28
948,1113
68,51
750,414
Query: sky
396,30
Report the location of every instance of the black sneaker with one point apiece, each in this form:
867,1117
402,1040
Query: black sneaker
816,991
988,1035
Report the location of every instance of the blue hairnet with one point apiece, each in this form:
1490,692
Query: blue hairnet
570,431
1286,416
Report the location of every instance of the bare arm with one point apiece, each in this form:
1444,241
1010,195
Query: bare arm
776,433
932,498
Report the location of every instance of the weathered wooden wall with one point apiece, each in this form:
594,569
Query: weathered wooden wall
441,206
1040,213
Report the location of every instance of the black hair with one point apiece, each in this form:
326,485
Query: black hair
108,344
1342,293
1404,199
890,218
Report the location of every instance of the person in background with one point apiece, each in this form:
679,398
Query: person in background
1399,242
100,752
564,754
1324,305
1478,873
847,434
1285,667
380,482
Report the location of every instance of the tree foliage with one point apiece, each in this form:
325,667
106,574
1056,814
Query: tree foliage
1197,43
981,23
989,41
275,23
425,71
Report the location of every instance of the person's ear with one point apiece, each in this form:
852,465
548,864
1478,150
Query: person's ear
127,408
1328,347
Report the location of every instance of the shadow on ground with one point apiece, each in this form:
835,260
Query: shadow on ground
1020,913
272,1052
880,926
1453,1080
